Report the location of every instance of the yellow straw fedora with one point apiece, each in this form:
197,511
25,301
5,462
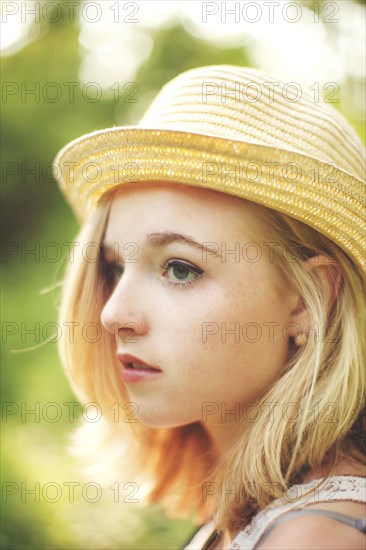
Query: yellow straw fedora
238,131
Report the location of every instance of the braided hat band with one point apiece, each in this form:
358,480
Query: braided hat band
238,131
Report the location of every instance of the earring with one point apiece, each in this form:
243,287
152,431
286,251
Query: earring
301,340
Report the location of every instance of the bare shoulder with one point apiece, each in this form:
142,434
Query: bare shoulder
318,531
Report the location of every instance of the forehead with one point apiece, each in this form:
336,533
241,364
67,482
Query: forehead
166,206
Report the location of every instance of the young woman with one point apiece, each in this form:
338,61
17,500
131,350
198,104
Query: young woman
221,262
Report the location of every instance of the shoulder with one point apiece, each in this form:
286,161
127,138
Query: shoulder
317,531
314,525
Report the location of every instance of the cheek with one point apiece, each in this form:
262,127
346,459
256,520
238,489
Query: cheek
239,336
224,317
246,319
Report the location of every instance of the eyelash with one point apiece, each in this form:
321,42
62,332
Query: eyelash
114,271
194,269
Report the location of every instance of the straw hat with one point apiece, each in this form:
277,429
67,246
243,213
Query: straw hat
239,131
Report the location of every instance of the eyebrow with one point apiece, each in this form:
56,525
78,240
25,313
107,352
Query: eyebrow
158,240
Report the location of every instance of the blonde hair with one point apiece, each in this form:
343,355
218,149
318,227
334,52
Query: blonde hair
325,381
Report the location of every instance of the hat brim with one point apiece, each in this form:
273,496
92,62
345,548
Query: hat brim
314,192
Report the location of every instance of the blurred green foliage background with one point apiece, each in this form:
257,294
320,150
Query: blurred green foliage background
34,214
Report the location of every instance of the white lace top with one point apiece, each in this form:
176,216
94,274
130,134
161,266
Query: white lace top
336,488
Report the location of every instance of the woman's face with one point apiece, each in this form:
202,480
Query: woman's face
189,299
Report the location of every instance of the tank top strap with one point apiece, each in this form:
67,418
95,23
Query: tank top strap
356,523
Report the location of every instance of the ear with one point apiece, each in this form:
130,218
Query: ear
330,277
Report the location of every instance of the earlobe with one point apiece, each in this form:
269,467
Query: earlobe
300,323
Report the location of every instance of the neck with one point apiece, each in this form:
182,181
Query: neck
225,435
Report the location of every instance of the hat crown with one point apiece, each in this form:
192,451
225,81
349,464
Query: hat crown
237,131
242,104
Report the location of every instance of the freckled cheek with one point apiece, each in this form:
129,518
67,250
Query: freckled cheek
199,332
195,337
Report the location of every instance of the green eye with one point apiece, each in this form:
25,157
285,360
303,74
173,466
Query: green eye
180,273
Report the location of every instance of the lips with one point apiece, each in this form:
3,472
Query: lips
135,363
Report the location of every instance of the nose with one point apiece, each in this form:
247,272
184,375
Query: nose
124,312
